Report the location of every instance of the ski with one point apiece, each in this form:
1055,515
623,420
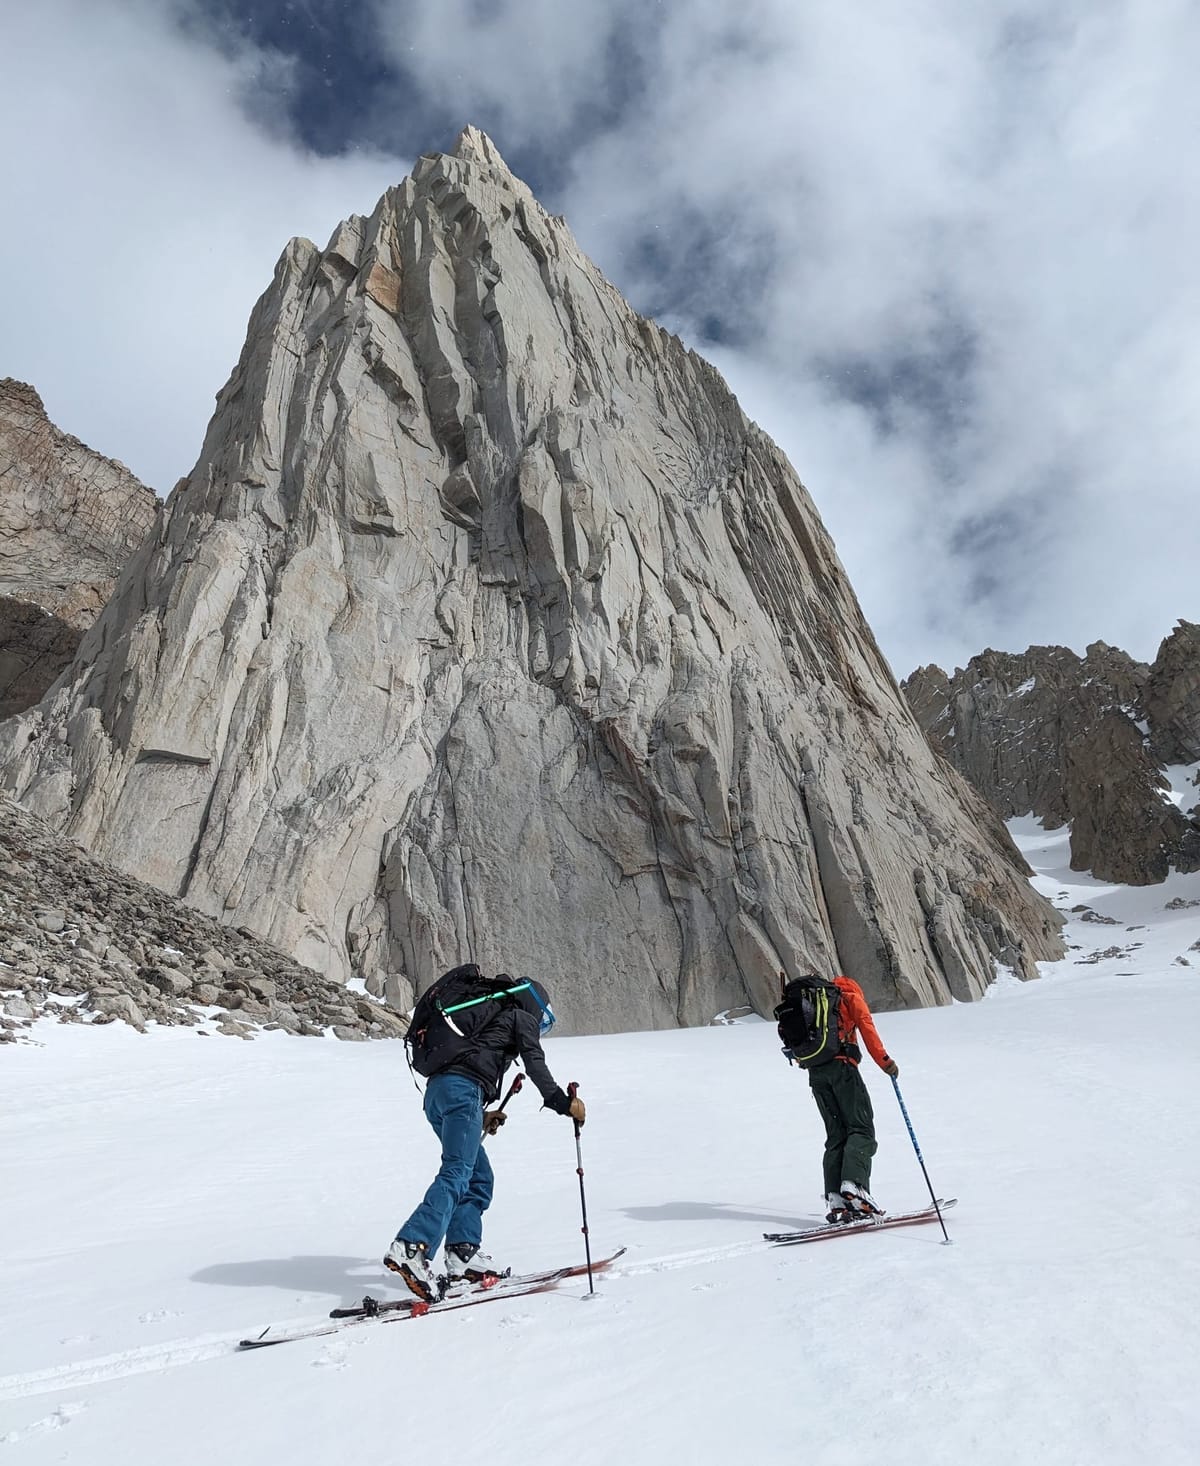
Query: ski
868,1224
395,1310
373,1307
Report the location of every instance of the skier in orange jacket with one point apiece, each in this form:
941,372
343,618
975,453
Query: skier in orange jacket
845,1107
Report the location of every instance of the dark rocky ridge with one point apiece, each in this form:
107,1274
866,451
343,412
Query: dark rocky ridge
1079,740
69,520
1171,697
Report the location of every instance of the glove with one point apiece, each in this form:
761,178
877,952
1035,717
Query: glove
492,1121
577,1110
892,1069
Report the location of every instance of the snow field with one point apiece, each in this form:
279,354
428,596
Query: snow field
165,1195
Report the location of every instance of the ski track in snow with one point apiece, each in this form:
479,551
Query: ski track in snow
179,1352
127,1362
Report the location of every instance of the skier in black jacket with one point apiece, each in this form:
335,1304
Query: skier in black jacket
455,1096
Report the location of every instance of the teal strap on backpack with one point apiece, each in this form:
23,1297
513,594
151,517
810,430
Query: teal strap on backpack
521,987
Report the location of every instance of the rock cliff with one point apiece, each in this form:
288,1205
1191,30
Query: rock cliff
1080,740
1171,697
69,519
488,626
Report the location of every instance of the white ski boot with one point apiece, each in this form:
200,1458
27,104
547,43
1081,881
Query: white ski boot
838,1209
411,1261
860,1201
466,1263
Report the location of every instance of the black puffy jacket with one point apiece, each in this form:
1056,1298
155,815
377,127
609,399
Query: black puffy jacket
509,1032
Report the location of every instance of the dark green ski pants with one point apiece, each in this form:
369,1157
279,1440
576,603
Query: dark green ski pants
845,1107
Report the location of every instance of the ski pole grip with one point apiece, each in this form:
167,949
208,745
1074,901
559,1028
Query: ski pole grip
573,1089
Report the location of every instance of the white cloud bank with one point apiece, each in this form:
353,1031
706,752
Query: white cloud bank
143,215
951,249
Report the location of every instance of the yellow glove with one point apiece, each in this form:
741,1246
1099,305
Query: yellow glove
492,1121
892,1069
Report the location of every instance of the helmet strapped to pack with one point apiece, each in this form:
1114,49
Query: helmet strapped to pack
541,1004
808,1021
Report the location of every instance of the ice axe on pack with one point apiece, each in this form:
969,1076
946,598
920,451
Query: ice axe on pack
493,1119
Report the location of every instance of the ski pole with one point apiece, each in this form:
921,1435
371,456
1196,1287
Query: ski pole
572,1091
513,1088
921,1158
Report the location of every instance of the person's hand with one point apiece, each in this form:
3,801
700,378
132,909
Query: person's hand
892,1069
577,1110
492,1121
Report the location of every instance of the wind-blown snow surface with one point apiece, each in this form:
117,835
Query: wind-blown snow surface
164,1195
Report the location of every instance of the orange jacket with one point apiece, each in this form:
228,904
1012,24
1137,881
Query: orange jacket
854,1014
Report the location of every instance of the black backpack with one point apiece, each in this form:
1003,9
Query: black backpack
808,1021
450,1017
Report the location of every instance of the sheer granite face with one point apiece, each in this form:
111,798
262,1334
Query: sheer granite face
487,626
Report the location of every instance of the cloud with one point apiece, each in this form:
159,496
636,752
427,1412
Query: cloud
972,317
541,73
146,205
943,253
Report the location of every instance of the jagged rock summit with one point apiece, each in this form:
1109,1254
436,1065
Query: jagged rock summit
1171,697
1079,740
488,626
69,520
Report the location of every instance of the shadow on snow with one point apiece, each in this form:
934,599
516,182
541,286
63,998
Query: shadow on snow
699,1211
333,1275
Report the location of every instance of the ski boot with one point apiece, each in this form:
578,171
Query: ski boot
411,1261
860,1201
838,1210
467,1263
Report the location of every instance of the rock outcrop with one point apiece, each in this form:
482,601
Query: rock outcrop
488,626
1077,740
69,520
1171,697
83,943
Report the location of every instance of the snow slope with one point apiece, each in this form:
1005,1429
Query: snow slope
164,1195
